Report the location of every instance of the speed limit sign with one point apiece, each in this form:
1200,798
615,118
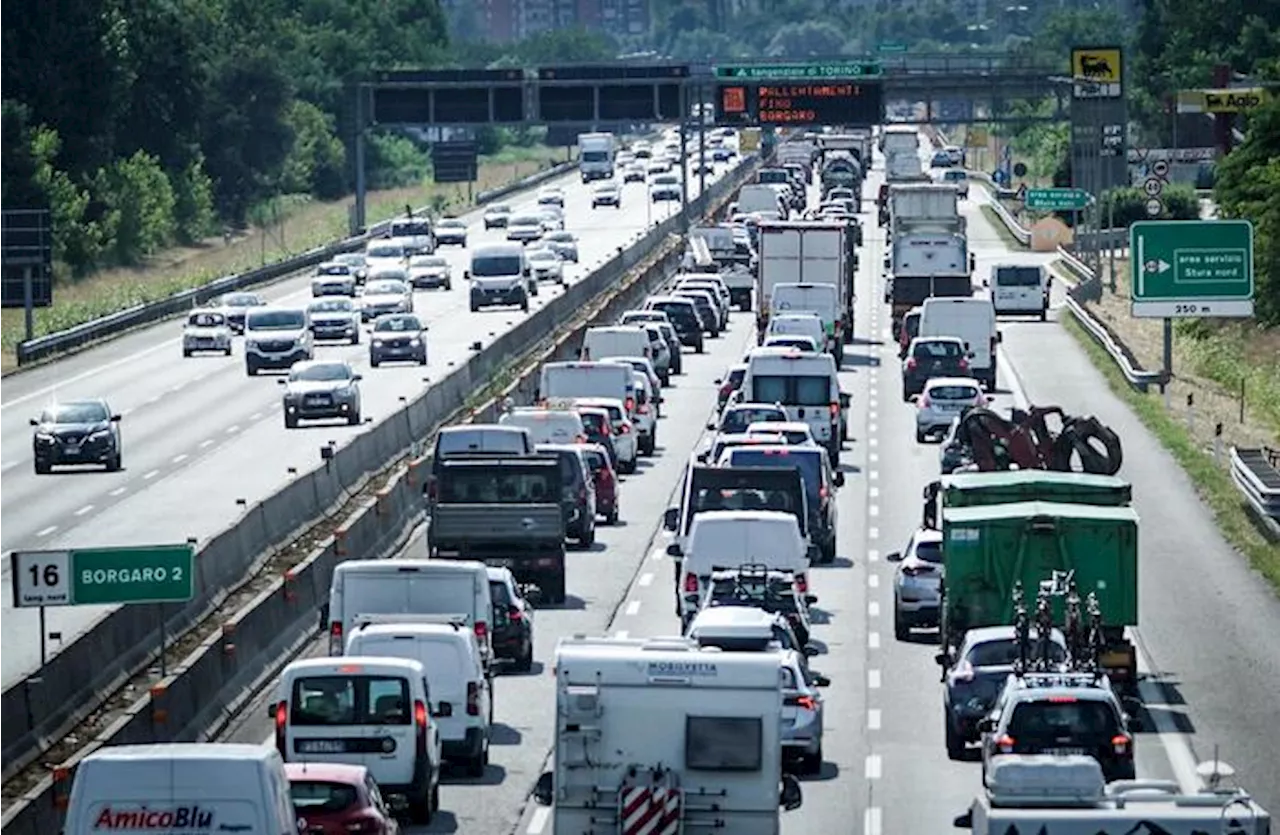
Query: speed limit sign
41,578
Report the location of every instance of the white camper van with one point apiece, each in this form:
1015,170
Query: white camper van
661,725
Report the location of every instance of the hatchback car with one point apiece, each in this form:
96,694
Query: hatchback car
76,432
319,389
546,265
684,318
930,357
512,634
451,230
333,279
382,296
335,318
577,491
496,216
737,417
606,480
917,584
429,271
565,244
607,194
729,385
336,798
398,337
206,330
525,228
551,196
942,401
634,173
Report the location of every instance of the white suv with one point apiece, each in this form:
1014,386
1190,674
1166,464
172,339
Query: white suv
276,338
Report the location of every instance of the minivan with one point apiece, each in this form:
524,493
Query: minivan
618,341
276,337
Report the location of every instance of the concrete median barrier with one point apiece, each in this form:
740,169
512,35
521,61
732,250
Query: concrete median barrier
75,682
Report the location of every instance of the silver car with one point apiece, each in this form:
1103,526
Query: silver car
386,295
496,216
564,243
607,194
943,400
525,228
333,279
917,585
206,330
802,713
321,389
451,230
546,265
354,260
552,218
235,306
335,318
430,271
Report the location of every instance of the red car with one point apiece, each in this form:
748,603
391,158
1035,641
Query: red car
606,479
335,799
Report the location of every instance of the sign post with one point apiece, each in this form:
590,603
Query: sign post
1058,199
1192,268
102,576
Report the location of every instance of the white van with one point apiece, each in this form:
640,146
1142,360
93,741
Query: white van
547,426
1020,290
822,300
615,341
460,689
806,385
475,439
799,324
973,322
585,379
409,587
363,710
181,787
720,540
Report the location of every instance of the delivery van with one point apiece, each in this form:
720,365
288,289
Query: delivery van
616,341
181,787
807,385
585,379
973,322
1020,290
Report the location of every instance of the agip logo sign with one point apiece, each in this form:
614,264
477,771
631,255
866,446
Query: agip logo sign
1096,72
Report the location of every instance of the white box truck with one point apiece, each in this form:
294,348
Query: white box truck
597,153
658,735
807,252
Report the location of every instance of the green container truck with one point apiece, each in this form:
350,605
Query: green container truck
1003,487
988,549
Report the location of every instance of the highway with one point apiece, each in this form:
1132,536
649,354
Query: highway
199,434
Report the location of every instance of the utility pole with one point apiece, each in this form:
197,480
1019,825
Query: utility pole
359,219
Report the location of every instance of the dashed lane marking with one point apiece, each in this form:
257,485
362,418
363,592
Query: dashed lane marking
873,640
873,719
151,475
874,767
873,555
206,443
873,457
871,821
86,509
658,555
874,510
633,607
873,427
255,416
117,491
874,492
873,442
646,579
622,634
538,820
873,609
179,458
873,580
46,531
873,679
231,430
873,533
873,475
873,403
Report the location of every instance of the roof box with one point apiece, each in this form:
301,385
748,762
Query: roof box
1041,779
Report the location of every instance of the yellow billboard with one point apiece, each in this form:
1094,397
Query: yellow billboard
1099,65
749,140
977,137
1242,100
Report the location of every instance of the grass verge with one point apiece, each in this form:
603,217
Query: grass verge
300,224
1006,237
1212,482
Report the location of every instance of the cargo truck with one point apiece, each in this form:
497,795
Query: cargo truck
916,203
597,153
989,550
1011,486
807,252
927,258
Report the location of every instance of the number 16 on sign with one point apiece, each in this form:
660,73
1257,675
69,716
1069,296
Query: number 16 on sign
40,579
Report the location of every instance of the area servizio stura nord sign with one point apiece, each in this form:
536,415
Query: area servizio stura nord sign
1191,268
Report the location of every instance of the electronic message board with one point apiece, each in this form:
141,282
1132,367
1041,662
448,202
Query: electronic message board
782,103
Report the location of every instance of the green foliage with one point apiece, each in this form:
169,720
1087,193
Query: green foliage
193,213
316,163
1130,205
556,46
809,39
395,161
139,203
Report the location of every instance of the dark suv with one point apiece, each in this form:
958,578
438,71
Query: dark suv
684,317
76,432
930,357
577,492
512,619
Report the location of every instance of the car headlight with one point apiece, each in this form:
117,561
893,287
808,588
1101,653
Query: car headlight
377,343
100,434
415,342
44,436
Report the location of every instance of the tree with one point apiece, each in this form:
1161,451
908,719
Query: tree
1248,186
804,40
316,163
139,204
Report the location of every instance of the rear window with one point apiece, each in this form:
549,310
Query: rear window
1053,720
953,392
338,701
721,743
783,501
500,596
594,423
807,463
470,442
1004,653
322,797
595,460
791,390
929,551
485,485
1018,277
737,420
940,350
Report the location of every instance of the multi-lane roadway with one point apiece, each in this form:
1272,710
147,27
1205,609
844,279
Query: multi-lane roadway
199,434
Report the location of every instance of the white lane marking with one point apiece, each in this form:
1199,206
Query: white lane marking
117,491
47,531
873,442
255,416
151,475
873,533
874,492
1176,746
874,510
873,719
873,609
873,640
206,442
873,403
870,820
233,429
872,416
659,555
179,458
86,509
150,400
873,427
621,633
873,679
873,457
646,579
873,475
873,580
177,388
873,555
93,372
633,607
124,413
538,820
874,767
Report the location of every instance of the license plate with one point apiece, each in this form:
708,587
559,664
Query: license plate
73,449
317,401
322,746
1064,752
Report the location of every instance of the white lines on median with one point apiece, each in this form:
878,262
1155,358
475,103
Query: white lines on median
46,531
873,492
874,767
179,458
646,579
538,820
874,510
873,533
118,491
873,640
871,820
873,719
873,580
255,416
873,442
873,609
207,442
86,509
873,679
873,475
622,634
873,427
873,555
231,430
633,607
151,475
873,403
873,457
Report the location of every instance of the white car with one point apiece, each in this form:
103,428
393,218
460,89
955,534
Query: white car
430,271
606,194
791,340
943,400
206,330
797,432
659,166
552,219
385,253
356,261
665,187
917,585
551,196
335,318
384,295
564,243
634,173
333,279
546,265
525,228
451,230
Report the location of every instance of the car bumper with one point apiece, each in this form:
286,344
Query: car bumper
458,240
917,609
543,275
335,331
803,736
928,419
322,409
88,452
278,361
397,352
422,281
509,642
484,297
196,346
373,313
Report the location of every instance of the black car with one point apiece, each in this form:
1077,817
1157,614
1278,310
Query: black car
76,432
930,357
707,313
599,430
577,492
684,318
761,588
398,337
512,619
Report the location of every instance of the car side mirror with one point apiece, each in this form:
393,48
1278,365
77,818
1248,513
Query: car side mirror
973,261
115,418
839,479
811,599
466,274
543,791
674,550
35,422
820,680
964,821
986,725
670,518
533,596
846,399
443,711
896,556
989,399
691,599
718,381
791,797
810,651
999,336
986,283
357,377
942,660
271,710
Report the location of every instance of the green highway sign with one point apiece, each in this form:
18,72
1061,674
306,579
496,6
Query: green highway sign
1185,268
891,46
100,576
839,69
1057,199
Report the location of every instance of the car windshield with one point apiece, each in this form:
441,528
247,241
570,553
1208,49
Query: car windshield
75,413
332,306
377,288
1004,652
333,269
321,797
351,259
430,261
1061,718
206,320
543,255
277,320
344,700
938,349
736,421
397,324
242,300
791,390
500,209
954,176
808,463
322,372
950,392
526,220
451,223
606,187
596,423
386,251
483,266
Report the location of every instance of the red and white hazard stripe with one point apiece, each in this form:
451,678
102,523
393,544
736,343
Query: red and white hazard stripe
650,811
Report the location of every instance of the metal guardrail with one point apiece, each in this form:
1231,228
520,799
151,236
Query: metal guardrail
1256,473
88,333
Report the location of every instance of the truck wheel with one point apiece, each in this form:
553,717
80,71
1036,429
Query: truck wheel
420,808
811,763
955,744
1044,314
555,590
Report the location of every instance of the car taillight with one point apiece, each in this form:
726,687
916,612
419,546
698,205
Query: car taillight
806,702
802,584
482,631
925,402
514,614
335,638
643,410
362,824
1120,744
691,584
964,363
911,364
835,409
420,715
473,699
823,493
624,429
631,404
282,721
1005,744
580,439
